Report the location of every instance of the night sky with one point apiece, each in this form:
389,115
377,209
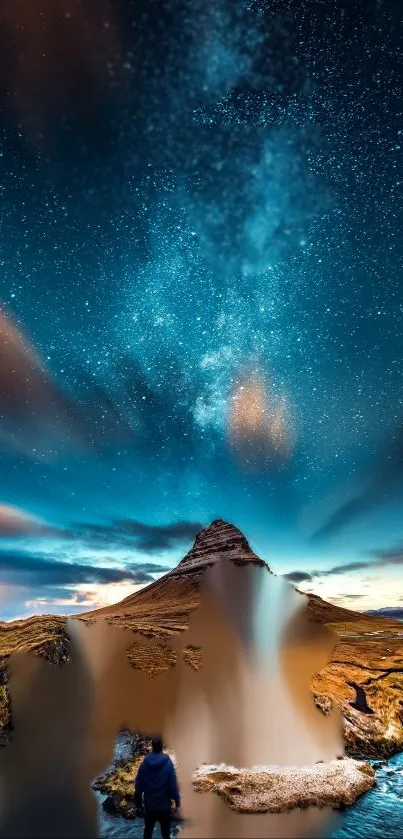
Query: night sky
201,293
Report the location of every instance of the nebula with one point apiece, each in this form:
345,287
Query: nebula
259,423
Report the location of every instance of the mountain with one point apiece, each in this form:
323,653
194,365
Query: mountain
394,612
369,654
165,605
366,662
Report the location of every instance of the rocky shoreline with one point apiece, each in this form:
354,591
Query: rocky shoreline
336,784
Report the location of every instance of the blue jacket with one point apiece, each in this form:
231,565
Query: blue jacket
156,780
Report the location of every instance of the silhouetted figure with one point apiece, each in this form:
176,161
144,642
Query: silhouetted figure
156,787
360,703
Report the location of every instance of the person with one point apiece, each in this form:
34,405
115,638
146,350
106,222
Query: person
156,785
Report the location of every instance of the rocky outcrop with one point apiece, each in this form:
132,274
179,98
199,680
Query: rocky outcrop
277,790
375,667
219,540
118,784
44,636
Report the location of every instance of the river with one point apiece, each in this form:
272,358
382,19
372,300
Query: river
377,814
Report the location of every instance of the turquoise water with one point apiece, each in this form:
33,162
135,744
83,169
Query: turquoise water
379,813
376,815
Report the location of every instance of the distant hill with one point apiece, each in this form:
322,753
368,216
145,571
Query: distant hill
394,612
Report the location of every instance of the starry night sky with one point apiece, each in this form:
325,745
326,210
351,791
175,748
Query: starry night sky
194,197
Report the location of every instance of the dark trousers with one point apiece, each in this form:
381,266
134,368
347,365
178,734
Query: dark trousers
161,816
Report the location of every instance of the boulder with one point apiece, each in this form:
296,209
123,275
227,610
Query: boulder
276,789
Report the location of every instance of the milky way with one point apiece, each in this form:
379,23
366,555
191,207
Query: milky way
187,194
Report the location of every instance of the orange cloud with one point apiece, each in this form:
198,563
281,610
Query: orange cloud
16,522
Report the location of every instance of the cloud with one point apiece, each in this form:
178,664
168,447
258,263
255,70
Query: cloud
20,601
298,576
77,42
393,556
23,568
16,522
132,412
382,558
343,516
385,477
137,535
343,569
44,580
342,597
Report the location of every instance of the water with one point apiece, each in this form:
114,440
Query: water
375,815
114,827
379,813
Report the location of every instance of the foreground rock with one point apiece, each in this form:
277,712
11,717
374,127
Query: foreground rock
259,790
277,790
118,786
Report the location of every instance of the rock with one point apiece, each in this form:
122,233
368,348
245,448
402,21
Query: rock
128,810
379,764
219,539
140,745
116,805
324,703
109,805
276,790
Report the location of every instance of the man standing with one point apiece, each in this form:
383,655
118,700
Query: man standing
157,785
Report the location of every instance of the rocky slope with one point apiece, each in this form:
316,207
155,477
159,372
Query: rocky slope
369,656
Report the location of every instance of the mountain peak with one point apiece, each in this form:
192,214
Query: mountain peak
220,539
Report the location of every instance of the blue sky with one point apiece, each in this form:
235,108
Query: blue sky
200,293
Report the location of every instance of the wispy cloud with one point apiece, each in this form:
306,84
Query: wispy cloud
19,602
24,568
16,522
385,477
145,538
341,598
298,576
42,568
381,559
50,419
